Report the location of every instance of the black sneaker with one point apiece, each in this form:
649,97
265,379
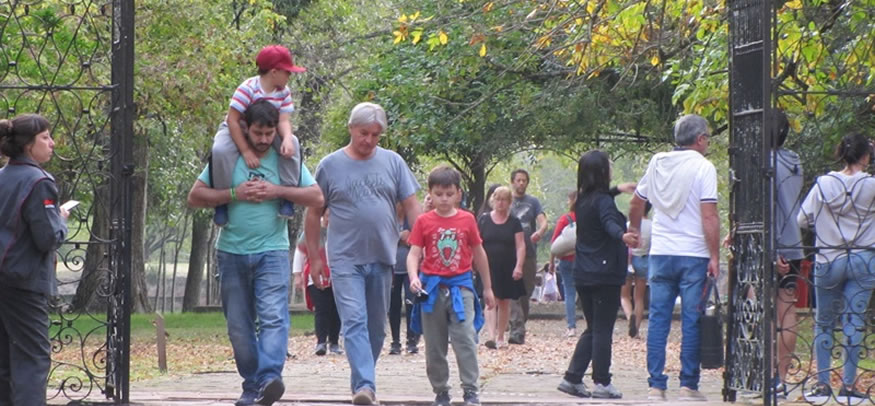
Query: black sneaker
845,393
633,326
271,392
516,340
442,399
819,392
413,344
395,349
471,398
246,399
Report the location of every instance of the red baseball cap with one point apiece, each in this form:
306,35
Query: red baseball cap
277,57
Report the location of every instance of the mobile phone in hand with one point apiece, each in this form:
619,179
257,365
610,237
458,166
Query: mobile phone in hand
70,205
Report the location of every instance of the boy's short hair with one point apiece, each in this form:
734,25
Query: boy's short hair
444,175
262,112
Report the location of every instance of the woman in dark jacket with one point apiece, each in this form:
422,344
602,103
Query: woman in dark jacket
599,272
31,228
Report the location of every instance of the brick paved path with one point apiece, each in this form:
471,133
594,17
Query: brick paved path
525,374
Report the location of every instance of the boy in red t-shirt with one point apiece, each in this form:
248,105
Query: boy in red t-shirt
446,240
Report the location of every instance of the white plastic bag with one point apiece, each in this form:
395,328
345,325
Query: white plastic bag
550,290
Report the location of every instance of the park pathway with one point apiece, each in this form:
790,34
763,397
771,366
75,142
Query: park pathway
526,374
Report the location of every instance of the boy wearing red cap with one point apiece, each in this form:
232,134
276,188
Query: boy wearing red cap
275,65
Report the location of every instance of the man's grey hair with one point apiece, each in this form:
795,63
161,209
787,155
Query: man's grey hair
368,113
687,128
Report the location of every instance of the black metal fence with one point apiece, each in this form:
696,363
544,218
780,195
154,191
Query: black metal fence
72,61
807,335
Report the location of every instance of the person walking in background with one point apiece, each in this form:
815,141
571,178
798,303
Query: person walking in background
320,301
506,251
32,227
839,207
599,272
684,249
253,256
362,183
400,283
566,269
444,243
632,293
531,215
788,240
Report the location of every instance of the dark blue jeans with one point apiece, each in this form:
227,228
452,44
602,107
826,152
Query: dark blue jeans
671,276
255,299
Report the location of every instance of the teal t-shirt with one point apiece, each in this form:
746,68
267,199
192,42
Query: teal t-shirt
254,227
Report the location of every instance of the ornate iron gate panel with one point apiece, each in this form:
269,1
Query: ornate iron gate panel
72,62
749,335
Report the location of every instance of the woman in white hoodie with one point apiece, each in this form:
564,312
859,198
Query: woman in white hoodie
841,207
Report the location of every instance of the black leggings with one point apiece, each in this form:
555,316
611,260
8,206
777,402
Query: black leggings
399,283
600,305
327,319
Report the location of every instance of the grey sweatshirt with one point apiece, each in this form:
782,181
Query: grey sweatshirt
842,210
788,181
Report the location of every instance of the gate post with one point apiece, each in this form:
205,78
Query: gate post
122,131
749,347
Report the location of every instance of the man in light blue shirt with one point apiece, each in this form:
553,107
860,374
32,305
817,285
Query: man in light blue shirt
253,257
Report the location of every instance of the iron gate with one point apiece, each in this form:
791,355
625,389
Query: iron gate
72,61
803,56
749,335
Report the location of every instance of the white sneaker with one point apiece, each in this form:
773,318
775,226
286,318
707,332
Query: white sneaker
571,333
606,392
691,395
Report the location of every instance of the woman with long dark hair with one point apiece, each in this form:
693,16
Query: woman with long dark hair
599,272
840,207
32,226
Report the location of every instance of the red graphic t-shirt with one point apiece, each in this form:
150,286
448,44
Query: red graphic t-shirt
446,242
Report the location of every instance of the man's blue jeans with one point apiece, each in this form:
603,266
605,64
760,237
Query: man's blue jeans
842,288
670,276
255,299
362,296
566,270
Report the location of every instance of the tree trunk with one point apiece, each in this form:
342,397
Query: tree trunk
95,271
139,289
477,187
200,248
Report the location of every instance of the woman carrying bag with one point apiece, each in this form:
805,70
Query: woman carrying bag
599,272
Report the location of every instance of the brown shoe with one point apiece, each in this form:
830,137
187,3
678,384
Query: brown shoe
364,396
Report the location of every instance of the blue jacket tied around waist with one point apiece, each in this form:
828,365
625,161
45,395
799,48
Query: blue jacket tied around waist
430,284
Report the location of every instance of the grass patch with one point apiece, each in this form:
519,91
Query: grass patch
176,324
196,342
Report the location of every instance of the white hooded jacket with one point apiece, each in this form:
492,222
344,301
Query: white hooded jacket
671,176
842,210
